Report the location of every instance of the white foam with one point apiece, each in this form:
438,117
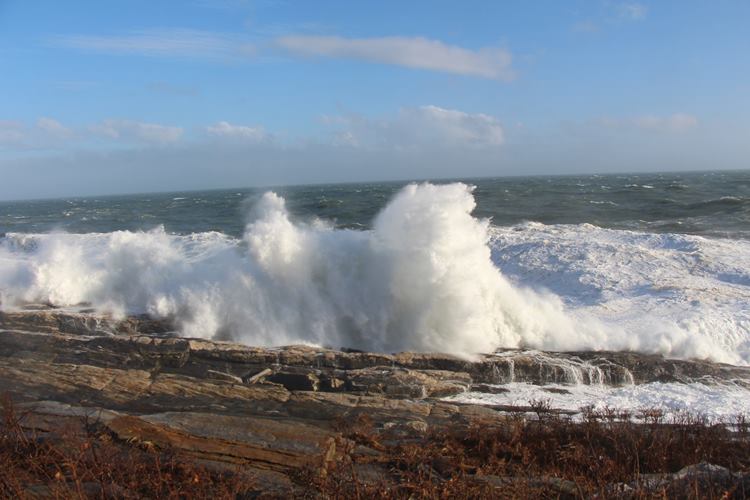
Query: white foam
680,295
715,402
422,279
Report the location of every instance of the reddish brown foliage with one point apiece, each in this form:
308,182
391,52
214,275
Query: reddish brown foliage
89,463
511,457
550,457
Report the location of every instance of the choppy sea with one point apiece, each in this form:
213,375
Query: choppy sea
656,263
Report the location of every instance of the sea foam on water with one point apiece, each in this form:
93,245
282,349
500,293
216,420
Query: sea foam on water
421,279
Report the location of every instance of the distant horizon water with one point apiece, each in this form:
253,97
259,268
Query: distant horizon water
704,202
401,181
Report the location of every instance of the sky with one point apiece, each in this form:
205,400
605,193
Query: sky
107,97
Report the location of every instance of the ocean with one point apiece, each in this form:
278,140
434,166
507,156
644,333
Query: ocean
713,204
656,263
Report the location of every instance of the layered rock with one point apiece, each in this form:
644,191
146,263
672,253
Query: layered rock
145,344
272,410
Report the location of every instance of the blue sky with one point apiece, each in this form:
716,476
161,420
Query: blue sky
132,96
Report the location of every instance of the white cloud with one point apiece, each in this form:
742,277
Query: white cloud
128,130
237,132
422,129
47,133
53,128
678,122
416,52
456,127
411,52
425,127
631,11
162,43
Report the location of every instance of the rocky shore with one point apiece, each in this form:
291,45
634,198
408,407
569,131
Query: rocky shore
281,414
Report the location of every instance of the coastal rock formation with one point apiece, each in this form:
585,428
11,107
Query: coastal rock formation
145,344
273,411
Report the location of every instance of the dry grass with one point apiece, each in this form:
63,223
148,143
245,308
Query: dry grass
86,462
510,457
549,457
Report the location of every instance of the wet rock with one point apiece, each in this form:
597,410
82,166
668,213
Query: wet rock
331,382
556,390
37,318
145,344
277,411
405,383
56,322
489,389
296,380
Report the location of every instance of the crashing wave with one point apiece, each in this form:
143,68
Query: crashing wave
423,279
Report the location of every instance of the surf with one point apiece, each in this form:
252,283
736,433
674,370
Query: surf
427,276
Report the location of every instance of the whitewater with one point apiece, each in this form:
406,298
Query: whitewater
428,275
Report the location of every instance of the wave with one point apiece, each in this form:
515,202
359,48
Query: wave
428,276
725,202
715,402
675,294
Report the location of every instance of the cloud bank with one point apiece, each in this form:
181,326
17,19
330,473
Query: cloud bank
410,52
411,128
678,122
133,131
424,127
425,142
225,130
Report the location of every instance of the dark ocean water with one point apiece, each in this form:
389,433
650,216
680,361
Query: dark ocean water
711,204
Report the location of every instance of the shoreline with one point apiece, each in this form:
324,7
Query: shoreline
280,414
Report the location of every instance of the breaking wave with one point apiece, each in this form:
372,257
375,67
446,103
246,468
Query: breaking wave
423,278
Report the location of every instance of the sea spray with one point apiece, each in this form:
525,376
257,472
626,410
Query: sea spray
677,294
421,279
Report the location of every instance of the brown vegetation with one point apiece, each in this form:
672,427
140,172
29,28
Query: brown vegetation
80,460
118,410
606,455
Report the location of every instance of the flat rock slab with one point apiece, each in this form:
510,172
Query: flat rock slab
274,411
144,344
277,445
